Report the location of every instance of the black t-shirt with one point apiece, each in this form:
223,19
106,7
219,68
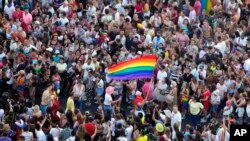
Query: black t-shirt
187,77
87,137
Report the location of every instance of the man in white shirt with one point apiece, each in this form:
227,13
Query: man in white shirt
215,101
201,73
64,20
63,8
175,119
9,8
129,130
181,18
72,138
241,41
86,67
222,89
40,136
117,14
221,45
108,101
91,10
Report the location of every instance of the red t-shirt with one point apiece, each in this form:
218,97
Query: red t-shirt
17,14
139,7
90,127
137,101
206,103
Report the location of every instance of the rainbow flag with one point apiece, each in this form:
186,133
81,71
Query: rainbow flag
142,67
206,5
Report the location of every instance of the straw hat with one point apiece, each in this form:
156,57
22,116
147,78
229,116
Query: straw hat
21,72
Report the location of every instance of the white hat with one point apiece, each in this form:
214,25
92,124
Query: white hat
74,63
138,93
167,114
139,52
37,22
49,49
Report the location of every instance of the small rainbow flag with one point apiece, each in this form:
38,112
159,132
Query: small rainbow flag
142,67
206,5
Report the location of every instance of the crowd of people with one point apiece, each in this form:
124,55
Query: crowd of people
52,50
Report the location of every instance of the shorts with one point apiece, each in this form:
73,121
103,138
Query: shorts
43,109
215,108
99,91
57,85
240,111
185,104
20,88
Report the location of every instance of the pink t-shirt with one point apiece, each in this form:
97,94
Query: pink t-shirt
27,18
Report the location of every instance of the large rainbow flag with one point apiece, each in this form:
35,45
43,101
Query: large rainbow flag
207,5
141,67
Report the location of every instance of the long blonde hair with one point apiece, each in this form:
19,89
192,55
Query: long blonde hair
81,132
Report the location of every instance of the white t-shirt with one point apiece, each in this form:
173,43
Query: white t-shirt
248,110
241,41
9,10
219,135
64,21
128,132
162,75
181,20
222,89
40,136
222,47
227,112
86,68
108,99
176,117
100,84
215,99
246,64
55,133
64,9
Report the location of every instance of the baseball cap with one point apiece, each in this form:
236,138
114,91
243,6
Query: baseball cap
159,127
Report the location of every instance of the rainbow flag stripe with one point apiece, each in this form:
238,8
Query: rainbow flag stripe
142,67
207,5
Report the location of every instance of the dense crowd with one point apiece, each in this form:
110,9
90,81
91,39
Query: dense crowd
53,51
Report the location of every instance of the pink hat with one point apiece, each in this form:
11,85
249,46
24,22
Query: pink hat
110,90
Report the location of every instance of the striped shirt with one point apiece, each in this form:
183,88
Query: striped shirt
175,76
